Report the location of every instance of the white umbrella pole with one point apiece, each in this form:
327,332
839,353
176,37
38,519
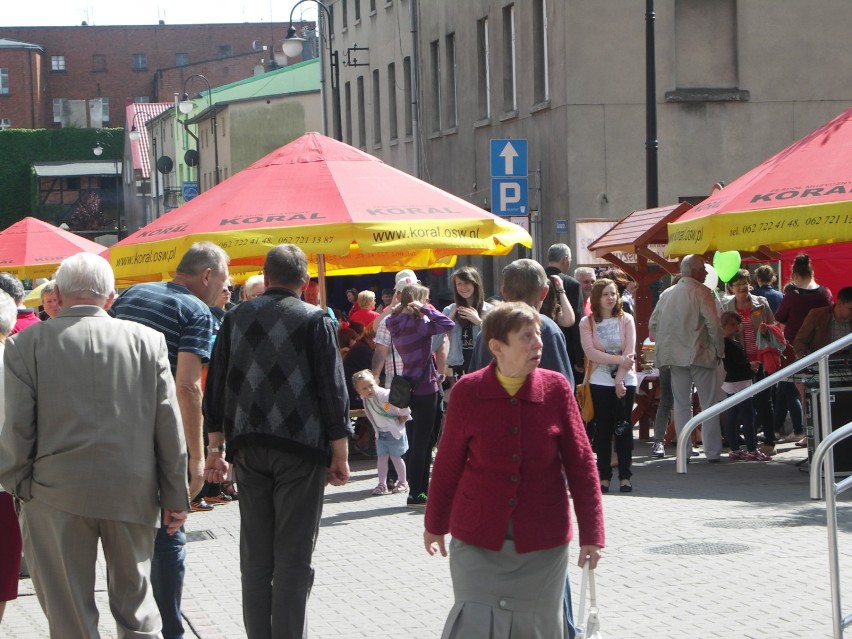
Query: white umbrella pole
321,281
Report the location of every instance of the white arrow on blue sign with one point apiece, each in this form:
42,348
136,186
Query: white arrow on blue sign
508,158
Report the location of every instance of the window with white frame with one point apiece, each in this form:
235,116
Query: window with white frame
4,81
377,108
140,62
57,110
57,63
98,111
392,121
5,123
362,113
406,92
541,88
347,93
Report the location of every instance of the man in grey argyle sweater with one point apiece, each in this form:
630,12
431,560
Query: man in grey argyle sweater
276,397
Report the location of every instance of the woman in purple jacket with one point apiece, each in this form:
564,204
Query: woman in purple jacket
412,324
512,437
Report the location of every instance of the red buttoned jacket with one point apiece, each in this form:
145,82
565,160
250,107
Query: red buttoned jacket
503,458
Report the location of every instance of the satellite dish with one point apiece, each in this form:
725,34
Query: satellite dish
165,164
257,45
191,157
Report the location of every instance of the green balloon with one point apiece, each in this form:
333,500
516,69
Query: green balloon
726,264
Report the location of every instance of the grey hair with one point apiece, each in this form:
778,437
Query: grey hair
251,281
85,275
48,287
688,266
523,281
200,256
584,270
286,265
8,313
558,252
12,285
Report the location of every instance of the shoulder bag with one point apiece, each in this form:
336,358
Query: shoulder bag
402,388
584,394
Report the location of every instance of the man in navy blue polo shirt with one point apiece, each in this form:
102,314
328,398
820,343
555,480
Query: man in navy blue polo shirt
180,310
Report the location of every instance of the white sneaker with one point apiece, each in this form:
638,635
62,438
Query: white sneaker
659,449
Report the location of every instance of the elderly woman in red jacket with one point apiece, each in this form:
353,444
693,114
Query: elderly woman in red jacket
512,437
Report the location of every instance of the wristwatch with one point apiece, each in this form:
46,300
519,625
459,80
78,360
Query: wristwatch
216,449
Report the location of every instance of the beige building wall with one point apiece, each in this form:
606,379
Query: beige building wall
737,81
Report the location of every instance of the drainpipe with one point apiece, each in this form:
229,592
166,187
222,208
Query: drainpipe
415,87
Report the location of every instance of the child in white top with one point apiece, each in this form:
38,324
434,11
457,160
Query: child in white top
389,423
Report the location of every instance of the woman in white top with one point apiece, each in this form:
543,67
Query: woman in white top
608,336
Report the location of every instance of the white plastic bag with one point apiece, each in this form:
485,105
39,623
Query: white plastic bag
590,627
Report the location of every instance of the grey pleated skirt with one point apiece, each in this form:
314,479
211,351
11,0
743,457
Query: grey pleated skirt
506,595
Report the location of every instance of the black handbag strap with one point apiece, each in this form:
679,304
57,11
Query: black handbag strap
425,372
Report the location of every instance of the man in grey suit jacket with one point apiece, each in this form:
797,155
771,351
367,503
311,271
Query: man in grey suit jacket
93,446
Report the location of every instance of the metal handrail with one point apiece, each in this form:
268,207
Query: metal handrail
823,461
819,357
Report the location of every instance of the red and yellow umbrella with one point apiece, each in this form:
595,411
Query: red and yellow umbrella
31,248
343,207
800,197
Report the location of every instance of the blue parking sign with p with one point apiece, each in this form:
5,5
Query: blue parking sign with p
509,188
509,196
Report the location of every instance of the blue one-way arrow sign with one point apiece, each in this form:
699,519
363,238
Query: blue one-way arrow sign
508,158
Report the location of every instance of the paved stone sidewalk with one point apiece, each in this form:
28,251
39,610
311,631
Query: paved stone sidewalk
730,550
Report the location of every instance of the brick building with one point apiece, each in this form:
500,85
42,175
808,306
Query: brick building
82,76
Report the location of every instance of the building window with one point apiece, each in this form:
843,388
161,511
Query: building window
57,63
357,10
392,123
362,115
347,98
510,97
435,102
142,98
181,59
99,63
406,92
452,111
372,7
98,111
57,110
705,44
5,123
224,51
377,108
541,89
4,81
140,62
344,13
483,70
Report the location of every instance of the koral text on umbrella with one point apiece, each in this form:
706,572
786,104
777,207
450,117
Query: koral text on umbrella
790,194
416,233
145,258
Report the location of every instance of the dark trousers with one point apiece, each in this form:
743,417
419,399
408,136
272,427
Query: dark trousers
609,410
280,509
763,410
420,430
741,414
787,398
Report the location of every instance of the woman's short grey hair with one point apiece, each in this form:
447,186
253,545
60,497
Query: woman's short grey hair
49,287
12,286
286,265
85,275
8,313
200,256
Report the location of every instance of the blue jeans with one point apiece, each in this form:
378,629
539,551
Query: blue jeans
167,571
787,399
741,414
567,610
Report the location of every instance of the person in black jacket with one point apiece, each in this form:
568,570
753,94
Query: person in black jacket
558,263
738,375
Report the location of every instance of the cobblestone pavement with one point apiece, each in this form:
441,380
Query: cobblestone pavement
729,550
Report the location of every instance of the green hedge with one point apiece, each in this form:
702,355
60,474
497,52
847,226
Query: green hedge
19,148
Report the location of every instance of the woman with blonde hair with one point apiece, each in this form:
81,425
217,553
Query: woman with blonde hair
412,324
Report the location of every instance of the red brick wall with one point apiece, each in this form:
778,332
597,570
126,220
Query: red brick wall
159,43
21,104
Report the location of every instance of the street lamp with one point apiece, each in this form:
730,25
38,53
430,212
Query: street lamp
292,47
186,106
98,151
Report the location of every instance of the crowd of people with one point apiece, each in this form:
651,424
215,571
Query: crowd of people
208,402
